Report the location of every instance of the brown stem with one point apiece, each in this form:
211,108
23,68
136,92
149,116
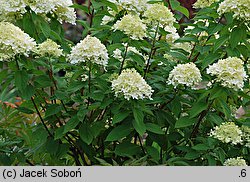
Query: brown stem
55,85
152,51
141,144
124,58
39,114
90,15
208,38
202,115
29,162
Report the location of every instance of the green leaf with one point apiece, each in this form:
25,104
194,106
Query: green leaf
176,6
55,36
176,106
82,112
201,147
43,81
187,39
97,128
192,155
52,110
218,92
81,7
28,92
45,29
209,60
154,128
61,95
178,55
219,42
25,110
184,122
153,152
3,74
138,122
214,118
59,133
110,4
226,110
75,86
238,34
97,95
127,149
71,124
211,160
221,154
198,108
28,24
21,80
244,51
52,146
120,117
86,133
119,132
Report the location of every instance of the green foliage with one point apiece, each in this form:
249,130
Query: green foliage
76,119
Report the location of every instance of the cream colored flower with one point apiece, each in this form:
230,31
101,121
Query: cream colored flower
13,41
49,48
131,6
228,132
240,8
239,161
229,72
158,13
11,9
185,74
131,85
204,3
132,26
89,49
60,8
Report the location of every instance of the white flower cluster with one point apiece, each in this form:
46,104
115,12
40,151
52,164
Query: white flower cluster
132,6
10,9
240,8
228,132
13,41
132,26
89,49
185,74
229,72
59,7
204,3
130,84
49,48
158,13
239,161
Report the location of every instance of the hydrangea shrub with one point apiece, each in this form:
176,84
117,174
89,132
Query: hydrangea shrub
139,88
